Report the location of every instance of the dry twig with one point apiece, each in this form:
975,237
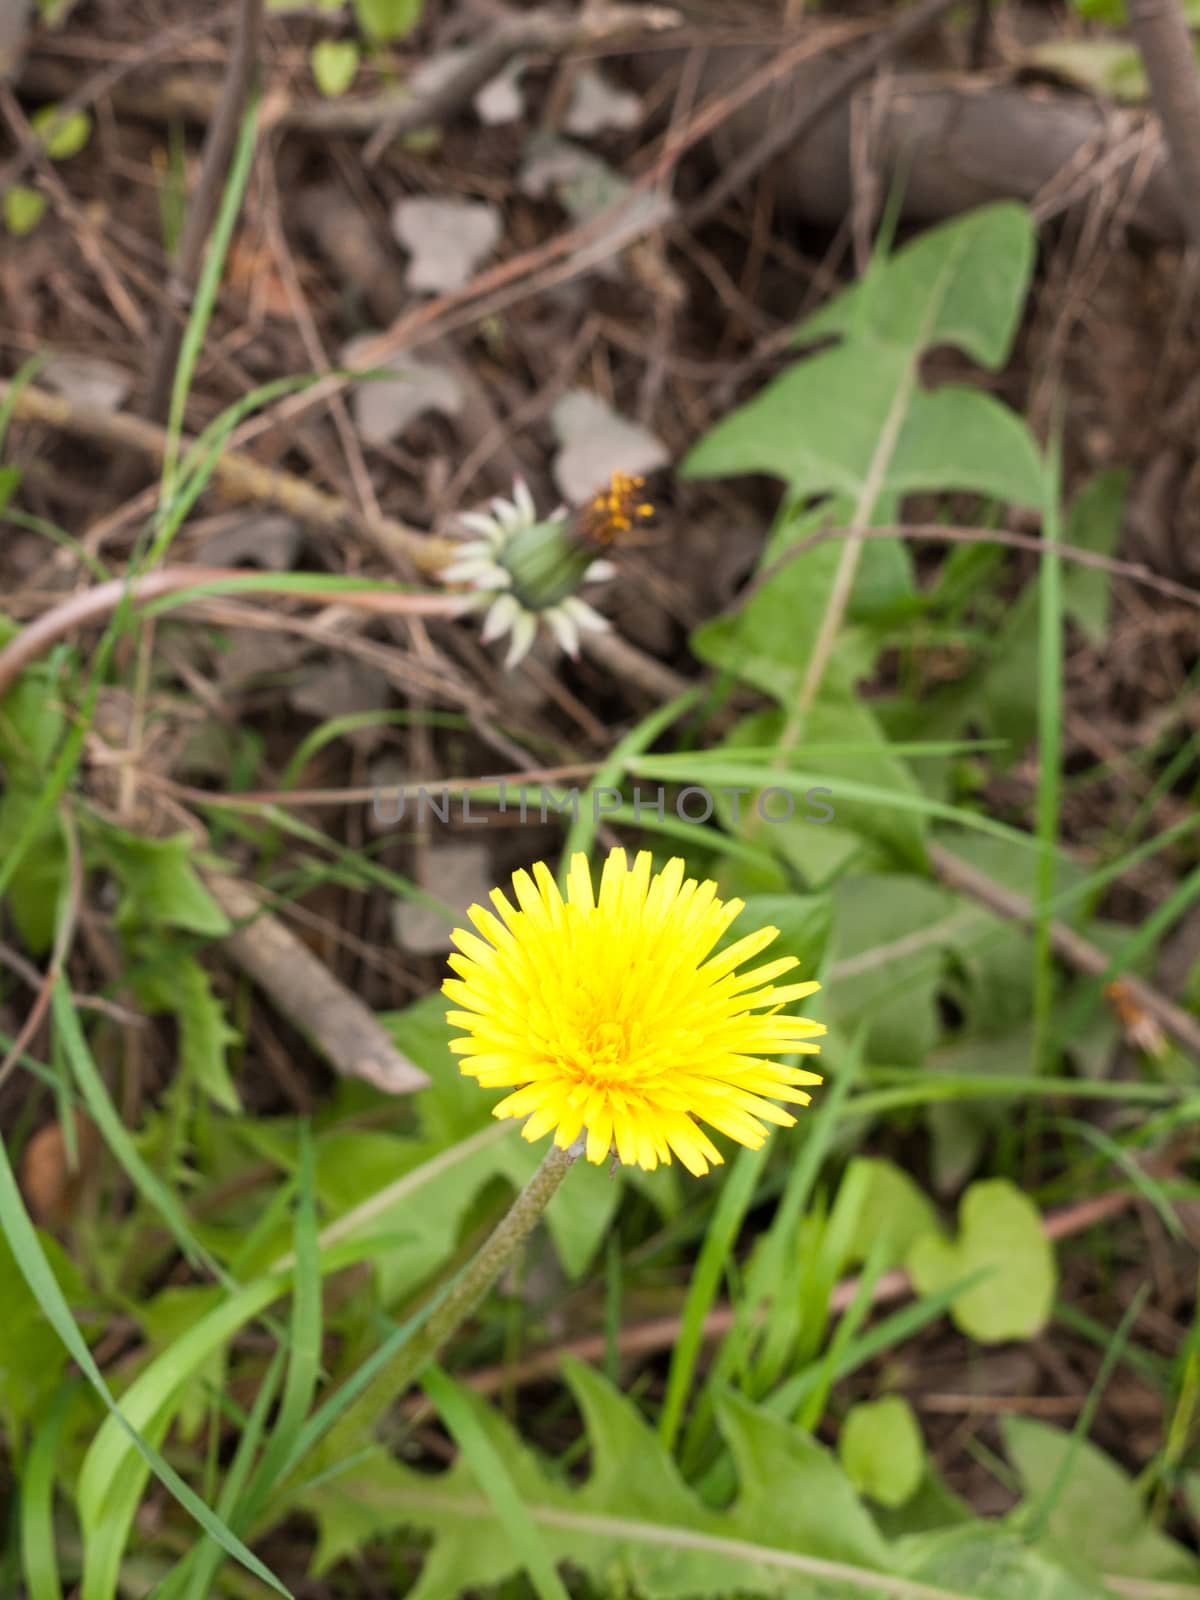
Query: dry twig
661,1333
1075,950
1166,48
238,476
1136,571
96,604
808,113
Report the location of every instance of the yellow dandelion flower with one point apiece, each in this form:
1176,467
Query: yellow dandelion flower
609,1015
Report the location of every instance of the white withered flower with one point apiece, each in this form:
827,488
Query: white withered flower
528,570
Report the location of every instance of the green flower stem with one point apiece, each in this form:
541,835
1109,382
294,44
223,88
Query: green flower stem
345,1438
490,1260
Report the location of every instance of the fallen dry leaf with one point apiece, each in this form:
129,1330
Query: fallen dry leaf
447,239
597,104
596,442
384,407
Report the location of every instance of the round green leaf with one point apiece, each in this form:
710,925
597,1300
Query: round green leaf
23,209
881,1448
334,64
387,20
62,137
1000,1234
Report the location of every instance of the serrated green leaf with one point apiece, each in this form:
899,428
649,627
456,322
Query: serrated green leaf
769,639
742,788
962,283
185,991
796,1529
992,1563
384,1184
805,923
161,886
822,425
892,936
36,885
853,421
30,1367
1000,1232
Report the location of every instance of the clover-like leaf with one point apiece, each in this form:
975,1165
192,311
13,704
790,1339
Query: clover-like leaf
1000,1234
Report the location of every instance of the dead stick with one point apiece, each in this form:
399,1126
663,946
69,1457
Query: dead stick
1166,49
1135,571
238,476
1075,950
791,130
96,604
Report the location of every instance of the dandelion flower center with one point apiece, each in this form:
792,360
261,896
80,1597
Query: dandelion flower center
613,513
608,1013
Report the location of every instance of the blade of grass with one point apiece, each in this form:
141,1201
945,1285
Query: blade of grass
581,835
206,296
1038,1518
305,1354
199,1568
496,1483
1141,1180
110,1482
1049,736
104,1114
733,1201
719,1483
809,1413
35,1269
737,774
39,1557
768,1270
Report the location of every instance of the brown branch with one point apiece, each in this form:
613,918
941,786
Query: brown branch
539,33
202,211
98,603
1075,950
1165,43
238,476
661,1333
1135,571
